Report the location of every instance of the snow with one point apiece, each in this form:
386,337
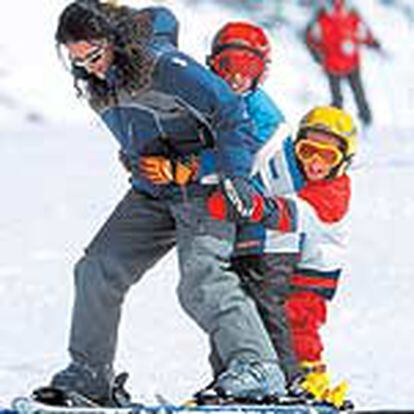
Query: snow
61,179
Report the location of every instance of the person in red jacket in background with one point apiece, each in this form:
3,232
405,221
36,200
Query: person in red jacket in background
335,38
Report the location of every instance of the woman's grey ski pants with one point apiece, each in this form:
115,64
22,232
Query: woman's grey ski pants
139,232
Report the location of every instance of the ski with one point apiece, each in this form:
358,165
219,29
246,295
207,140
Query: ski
24,405
29,406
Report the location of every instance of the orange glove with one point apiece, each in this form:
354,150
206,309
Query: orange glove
185,172
160,170
156,169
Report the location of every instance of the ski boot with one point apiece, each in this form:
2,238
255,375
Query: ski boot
83,386
314,386
245,383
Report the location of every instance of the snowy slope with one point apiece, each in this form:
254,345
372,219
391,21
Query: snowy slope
60,180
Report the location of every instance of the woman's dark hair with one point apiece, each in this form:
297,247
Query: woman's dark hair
83,20
126,29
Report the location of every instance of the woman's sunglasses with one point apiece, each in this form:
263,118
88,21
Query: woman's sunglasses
92,57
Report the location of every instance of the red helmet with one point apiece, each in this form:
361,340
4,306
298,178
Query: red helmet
240,47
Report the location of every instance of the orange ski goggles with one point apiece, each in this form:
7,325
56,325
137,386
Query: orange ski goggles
307,149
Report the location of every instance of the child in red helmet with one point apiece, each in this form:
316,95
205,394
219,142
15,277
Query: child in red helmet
292,283
240,54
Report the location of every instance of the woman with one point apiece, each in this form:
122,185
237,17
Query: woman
158,102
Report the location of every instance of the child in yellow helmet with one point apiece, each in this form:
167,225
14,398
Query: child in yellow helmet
291,286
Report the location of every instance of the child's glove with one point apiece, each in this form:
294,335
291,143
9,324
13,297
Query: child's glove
240,201
236,201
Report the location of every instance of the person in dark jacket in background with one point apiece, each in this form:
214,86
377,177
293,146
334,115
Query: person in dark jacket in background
335,38
157,101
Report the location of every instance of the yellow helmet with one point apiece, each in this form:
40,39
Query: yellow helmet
334,121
